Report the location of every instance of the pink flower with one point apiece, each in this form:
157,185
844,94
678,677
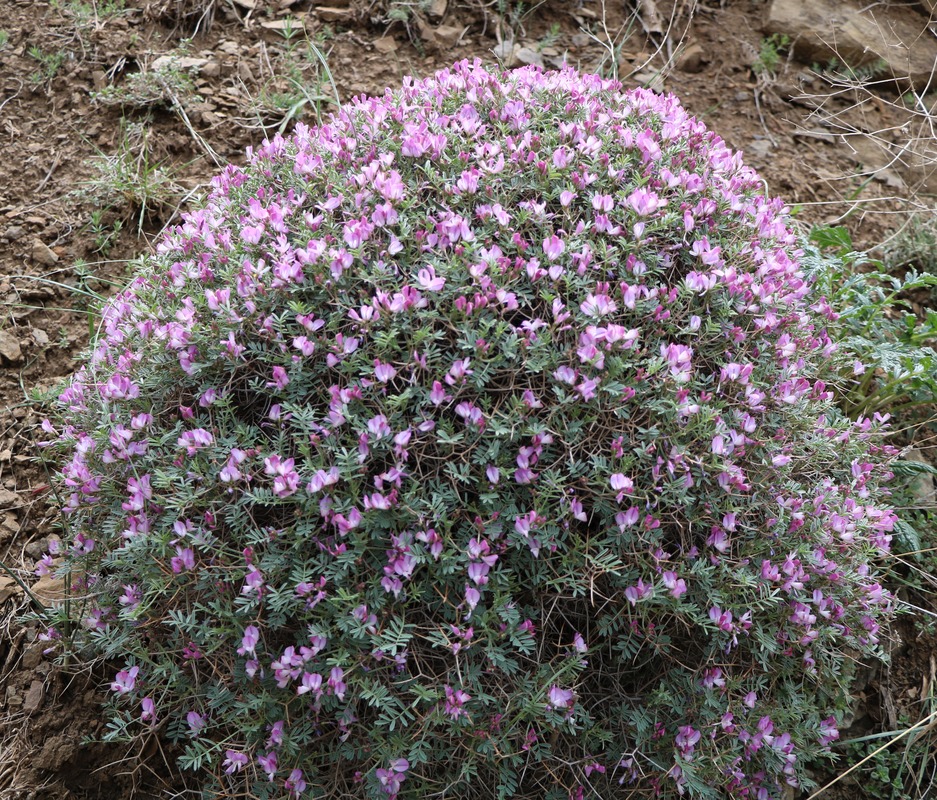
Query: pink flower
125,681
428,280
249,640
147,710
561,698
234,762
645,202
553,247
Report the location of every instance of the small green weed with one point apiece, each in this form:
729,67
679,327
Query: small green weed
915,246
888,361
84,13
770,53
130,182
302,78
49,64
840,71
161,87
4,39
105,234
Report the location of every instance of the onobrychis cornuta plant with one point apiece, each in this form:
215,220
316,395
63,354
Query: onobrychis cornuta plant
476,444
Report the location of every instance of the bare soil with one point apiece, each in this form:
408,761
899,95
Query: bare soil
66,232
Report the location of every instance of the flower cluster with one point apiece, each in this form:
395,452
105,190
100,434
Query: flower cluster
477,440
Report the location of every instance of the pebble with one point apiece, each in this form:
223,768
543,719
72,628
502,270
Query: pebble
14,232
43,254
526,55
8,588
386,44
10,348
34,697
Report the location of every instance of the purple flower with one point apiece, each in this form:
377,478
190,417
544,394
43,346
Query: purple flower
249,640
125,681
147,710
195,722
561,698
553,247
455,699
234,762
295,783
268,763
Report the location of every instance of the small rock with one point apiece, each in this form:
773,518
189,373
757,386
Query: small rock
231,48
528,56
582,40
10,523
437,10
386,44
43,254
448,35
857,34
651,80
49,590
212,69
504,52
692,60
99,79
760,147
8,499
34,697
8,588
35,549
922,487
178,62
14,232
32,655
13,698
244,72
332,13
40,337
10,348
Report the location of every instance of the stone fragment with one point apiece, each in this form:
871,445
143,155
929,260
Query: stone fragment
8,588
448,35
527,55
34,697
212,69
43,254
178,62
8,499
14,232
922,487
505,53
857,34
692,60
40,337
49,589
437,10
10,348
333,13
32,655
386,44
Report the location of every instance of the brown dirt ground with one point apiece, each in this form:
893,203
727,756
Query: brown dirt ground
58,53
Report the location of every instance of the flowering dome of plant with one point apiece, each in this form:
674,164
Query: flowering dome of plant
476,444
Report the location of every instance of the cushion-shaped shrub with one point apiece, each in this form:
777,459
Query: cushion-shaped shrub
476,444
